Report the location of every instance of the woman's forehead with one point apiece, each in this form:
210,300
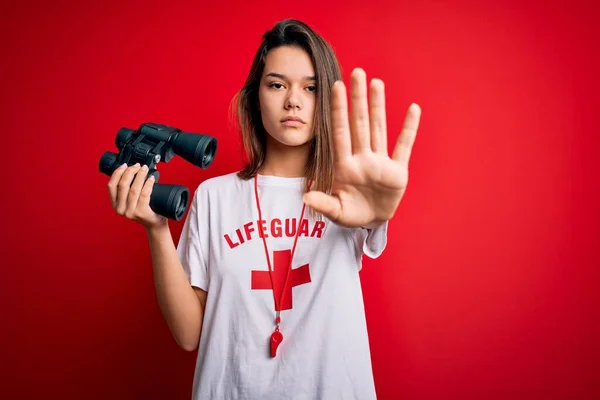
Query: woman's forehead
291,63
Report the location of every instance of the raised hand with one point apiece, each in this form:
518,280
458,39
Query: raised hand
368,185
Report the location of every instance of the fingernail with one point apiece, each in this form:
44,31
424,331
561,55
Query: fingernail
123,165
145,167
151,178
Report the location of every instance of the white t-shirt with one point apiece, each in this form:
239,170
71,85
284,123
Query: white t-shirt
325,349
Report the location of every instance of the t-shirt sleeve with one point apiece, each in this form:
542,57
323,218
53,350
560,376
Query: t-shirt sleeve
193,242
371,242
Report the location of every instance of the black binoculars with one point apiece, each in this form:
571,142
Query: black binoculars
152,143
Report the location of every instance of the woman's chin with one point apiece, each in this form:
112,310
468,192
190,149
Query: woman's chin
290,139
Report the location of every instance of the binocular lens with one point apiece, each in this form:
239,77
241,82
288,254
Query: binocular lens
196,148
107,163
170,201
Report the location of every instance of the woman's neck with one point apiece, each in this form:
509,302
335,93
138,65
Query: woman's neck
286,161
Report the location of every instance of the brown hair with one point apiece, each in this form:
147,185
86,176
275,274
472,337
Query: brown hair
290,32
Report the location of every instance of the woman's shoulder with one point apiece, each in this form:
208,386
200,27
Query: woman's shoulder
219,183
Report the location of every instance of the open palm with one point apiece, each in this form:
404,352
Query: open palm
367,185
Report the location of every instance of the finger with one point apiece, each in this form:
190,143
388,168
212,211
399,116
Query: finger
339,118
124,186
359,118
407,137
144,199
135,191
377,117
113,182
330,206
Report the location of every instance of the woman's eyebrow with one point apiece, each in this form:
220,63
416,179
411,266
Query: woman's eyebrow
281,76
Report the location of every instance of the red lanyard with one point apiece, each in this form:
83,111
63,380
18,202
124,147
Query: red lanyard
277,336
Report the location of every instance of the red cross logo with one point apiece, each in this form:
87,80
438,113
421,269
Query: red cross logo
281,261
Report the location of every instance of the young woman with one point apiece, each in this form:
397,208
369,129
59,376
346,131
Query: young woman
264,281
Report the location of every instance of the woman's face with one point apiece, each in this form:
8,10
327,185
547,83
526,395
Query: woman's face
288,90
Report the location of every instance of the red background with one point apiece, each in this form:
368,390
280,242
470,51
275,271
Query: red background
488,287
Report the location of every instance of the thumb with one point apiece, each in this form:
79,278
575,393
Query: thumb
323,203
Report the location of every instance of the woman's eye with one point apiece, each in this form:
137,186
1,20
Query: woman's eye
312,88
276,85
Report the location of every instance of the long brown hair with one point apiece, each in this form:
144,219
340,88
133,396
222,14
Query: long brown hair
319,168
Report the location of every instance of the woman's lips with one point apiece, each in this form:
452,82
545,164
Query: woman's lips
292,123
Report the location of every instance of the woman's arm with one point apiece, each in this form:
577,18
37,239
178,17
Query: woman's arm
181,304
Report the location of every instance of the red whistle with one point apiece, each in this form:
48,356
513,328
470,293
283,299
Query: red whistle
276,339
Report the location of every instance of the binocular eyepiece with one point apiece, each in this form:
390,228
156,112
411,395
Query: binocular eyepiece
152,143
